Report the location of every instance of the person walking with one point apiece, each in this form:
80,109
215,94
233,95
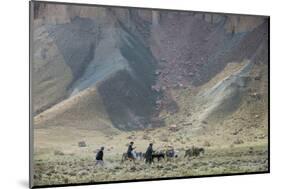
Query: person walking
148,154
99,157
130,152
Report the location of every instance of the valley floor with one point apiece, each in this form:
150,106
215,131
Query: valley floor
59,160
69,168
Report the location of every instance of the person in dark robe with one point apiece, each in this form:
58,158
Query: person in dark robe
99,157
148,154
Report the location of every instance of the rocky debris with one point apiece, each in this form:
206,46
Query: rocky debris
146,137
191,74
132,137
133,168
207,144
164,139
187,124
204,122
156,88
157,72
72,173
180,85
188,114
110,137
163,88
262,136
58,153
173,128
82,144
158,102
257,78
117,167
83,173
238,141
251,150
237,131
255,95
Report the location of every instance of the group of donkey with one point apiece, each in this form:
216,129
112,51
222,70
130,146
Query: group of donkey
165,154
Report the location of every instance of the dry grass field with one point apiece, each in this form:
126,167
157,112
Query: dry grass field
71,164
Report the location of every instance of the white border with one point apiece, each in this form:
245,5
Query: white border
14,92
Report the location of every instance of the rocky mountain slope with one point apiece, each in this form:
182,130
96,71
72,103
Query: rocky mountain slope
112,69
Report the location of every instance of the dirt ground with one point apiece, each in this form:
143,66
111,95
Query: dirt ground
63,162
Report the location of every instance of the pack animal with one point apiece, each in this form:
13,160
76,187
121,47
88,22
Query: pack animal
158,156
171,153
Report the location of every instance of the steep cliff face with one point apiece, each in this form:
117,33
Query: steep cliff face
51,74
130,60
100,49
194,47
